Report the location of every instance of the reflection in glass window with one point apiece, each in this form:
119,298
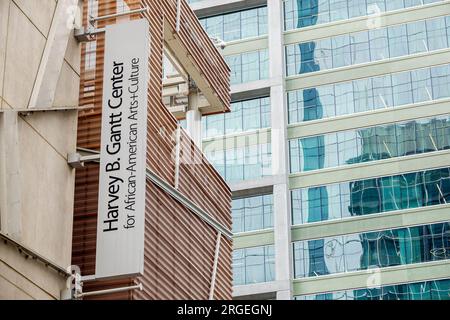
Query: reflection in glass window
372,250
367,46
253,265
252,213
398,41
244,116
370,144
378,40
305,13
369,196
391,90
249,66
241,163
402,88
237,25
429,290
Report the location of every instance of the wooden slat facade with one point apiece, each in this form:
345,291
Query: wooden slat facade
179,246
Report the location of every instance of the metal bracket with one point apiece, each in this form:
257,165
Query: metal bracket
77,161
77,292
86,34
119,14
100,292
30,111
218,43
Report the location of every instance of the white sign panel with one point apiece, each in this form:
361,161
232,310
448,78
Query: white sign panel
121,202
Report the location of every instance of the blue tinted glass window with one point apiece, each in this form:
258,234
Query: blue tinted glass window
265,112
338,10
341,51
366,46
253,265
402,88
235,64
363,98
262,21
232,30
249,23
436,34
307,61
421,85
313,153
249,66
237,25
306,13
356,8
362,95
442,140
370,250
395,4
214,26
244,116
252,213
379,44
359,44
430,290
344,99
239,163
234,120
398,41
252,114
234,165
417,37
382,92
367,144
323,54
440,79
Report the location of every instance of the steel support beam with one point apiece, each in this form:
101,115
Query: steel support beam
177,156
203,215
214,271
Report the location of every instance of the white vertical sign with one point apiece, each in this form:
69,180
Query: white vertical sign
121,202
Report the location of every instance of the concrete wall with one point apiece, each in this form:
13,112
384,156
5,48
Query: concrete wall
39,70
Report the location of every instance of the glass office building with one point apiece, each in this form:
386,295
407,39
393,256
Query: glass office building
337,148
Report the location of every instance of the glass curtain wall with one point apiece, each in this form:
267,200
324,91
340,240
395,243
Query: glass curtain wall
367,46
362,251
371,196
305,13
244,116
253,265
370,144
428,290
368,94
237,25
252,213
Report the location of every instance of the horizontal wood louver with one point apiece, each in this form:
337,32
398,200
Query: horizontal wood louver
179,246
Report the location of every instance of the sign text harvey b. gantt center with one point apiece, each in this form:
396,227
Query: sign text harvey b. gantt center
121,206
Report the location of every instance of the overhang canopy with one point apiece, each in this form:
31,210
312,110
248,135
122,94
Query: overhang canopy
197,55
